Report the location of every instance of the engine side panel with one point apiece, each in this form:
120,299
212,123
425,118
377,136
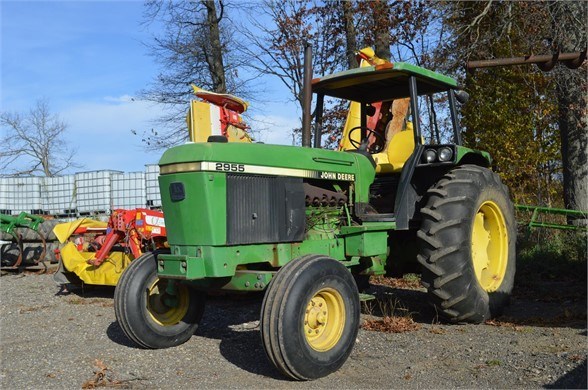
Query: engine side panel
263,209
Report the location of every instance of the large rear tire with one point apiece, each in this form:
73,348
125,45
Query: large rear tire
467,245
145,311
310,317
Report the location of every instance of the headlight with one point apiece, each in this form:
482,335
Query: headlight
445,154
430,156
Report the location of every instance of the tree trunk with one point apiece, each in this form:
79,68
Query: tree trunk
569,36
350,34
214,51
382,33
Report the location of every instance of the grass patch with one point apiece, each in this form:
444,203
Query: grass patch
389,324
395,317
554,254
408,281
551,265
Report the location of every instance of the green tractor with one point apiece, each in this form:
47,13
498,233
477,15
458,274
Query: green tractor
308,225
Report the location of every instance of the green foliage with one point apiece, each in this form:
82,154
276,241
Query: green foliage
513,112
549,254
514,122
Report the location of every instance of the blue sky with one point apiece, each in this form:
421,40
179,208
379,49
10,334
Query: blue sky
88,59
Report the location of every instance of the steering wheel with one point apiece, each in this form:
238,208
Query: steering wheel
376,147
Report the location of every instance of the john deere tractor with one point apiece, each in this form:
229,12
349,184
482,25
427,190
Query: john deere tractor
306,224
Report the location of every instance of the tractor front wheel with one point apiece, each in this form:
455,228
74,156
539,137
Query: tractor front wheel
467,245
310,317
146,311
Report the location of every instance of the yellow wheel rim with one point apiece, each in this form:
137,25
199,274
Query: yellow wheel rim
489,246
160,311
324,319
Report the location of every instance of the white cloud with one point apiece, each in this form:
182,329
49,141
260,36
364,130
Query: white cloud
102,133
276,129
119,99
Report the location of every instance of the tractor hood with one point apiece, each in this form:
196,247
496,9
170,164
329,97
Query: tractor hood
272,160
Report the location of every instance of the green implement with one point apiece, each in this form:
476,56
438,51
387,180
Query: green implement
9,224
538,211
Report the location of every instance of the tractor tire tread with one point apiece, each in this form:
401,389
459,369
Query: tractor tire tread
449,278
432,214
424,236
439,253
277,305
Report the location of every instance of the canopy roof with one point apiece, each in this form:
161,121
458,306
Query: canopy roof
381,82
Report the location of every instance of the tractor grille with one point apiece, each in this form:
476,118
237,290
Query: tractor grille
263,209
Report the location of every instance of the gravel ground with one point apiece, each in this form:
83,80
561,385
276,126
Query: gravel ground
50,341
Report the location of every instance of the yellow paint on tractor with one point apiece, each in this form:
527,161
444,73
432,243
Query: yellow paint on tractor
324,320
398,132
162,313
489,246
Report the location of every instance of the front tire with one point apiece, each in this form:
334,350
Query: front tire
144,309
310,317
467,245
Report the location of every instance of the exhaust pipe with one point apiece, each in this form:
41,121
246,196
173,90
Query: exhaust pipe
306,95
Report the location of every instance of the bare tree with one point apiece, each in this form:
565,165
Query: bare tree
35,142
277,48
194,48
350,32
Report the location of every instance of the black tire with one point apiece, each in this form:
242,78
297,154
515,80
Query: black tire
467,287
45,228
144,317
300,283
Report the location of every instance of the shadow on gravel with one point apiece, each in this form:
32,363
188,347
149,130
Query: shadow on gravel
402,302
575,379
556,301
116,334
234,320
88,291
564,306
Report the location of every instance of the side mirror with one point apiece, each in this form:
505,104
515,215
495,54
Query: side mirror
462,96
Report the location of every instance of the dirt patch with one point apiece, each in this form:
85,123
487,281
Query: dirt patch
534,344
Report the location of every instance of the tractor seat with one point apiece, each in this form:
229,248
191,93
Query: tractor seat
392,159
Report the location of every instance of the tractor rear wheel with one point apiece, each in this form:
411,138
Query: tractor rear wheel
467,245
310,317
148,314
